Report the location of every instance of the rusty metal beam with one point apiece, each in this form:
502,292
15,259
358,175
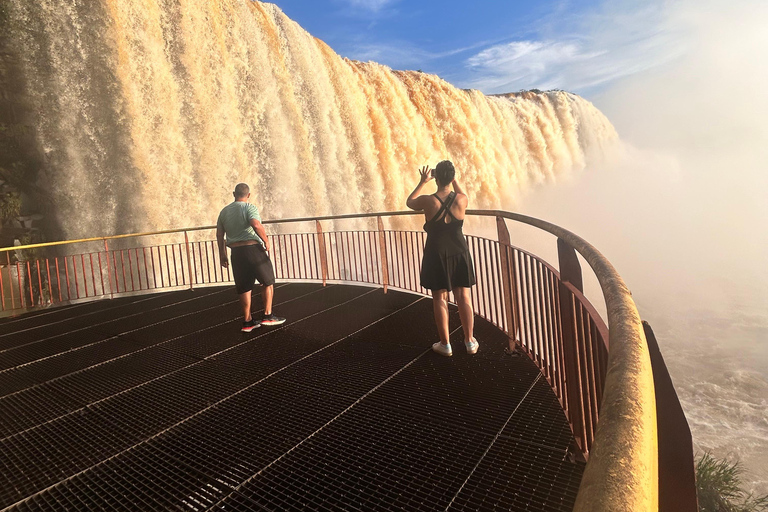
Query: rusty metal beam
677,469
323,256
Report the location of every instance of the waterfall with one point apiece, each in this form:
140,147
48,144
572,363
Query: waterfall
148,112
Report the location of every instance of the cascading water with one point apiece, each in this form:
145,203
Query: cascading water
149,111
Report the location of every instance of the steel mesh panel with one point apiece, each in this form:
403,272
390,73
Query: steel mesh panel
100,382
195,322
243,435
370,459
276,348
141,480
517,476
357,364
30,319
409,445
26,319
188,302
148,409
65,363
294,308
87,321
492,341
15,379
35,349
540,420
38,349
31,407
461,391
55,451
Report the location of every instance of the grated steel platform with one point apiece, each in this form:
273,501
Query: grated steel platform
159,402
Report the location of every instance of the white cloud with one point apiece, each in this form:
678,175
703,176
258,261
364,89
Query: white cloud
503,67
369,5
580,54
401,54
397,56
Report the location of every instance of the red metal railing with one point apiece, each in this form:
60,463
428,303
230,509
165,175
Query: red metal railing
516,291
542,310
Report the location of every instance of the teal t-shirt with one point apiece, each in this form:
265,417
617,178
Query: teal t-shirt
235,219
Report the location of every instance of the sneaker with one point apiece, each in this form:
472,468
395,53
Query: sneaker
272,320
250,325
443,350
472,346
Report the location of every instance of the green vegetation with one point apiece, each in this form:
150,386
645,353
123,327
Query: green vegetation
10,206
719,487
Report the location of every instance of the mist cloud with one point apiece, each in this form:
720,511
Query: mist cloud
681,211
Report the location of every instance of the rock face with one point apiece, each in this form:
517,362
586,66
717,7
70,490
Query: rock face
22,203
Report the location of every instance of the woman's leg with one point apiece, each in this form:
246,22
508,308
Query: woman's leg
440,307
465,312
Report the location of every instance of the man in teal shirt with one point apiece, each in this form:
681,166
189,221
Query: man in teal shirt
245,236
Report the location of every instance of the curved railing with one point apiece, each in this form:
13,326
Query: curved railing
607,395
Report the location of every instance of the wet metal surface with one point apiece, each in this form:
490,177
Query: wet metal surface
161,403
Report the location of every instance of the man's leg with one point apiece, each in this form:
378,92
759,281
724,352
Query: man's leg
267,292
265,274
245,302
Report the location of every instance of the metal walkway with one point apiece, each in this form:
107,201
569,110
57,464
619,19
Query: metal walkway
159,402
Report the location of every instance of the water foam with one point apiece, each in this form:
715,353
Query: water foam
150,112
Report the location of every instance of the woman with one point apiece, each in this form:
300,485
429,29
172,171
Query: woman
447,264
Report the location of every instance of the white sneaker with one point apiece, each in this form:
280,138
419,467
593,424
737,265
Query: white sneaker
472,346
443,350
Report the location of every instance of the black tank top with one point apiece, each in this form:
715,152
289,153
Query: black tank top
445,238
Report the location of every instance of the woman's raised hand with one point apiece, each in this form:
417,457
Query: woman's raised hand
426,174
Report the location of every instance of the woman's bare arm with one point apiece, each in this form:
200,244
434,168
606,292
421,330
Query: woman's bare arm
457,188
415,201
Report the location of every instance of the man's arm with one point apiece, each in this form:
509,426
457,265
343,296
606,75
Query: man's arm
254,219
222,248
415,201
258,227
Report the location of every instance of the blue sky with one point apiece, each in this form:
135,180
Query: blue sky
499,45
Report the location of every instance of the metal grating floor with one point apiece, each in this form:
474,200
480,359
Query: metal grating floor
159,402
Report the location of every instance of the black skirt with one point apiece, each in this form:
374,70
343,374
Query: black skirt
446,272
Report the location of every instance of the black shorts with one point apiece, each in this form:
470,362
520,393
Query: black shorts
251,263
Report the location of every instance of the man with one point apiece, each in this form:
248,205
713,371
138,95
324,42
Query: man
246,237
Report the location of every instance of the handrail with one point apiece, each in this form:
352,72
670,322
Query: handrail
626,434
622,472
203,228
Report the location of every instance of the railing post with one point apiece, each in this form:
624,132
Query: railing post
10,279
189,261
109,271
2,289
508,284
323,256
383,251
570,272
21,290
570,269
677,469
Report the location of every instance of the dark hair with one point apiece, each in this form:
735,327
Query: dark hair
241,190
444,172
